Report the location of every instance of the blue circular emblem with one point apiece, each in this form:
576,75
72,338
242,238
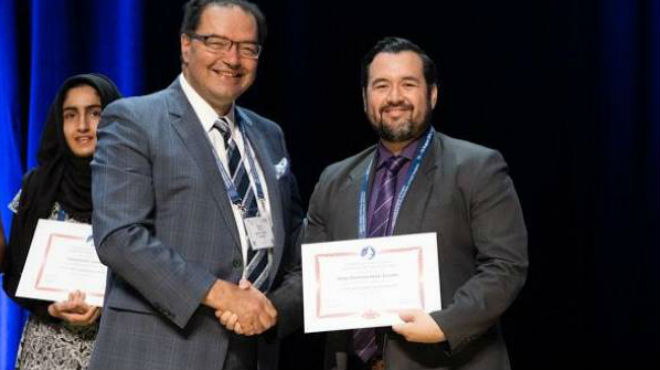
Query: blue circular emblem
368,252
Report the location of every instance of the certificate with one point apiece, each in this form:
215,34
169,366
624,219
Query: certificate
364,283
62,258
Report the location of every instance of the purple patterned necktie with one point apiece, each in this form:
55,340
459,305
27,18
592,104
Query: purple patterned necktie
364,340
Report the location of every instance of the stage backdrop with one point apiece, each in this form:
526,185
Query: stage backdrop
567,90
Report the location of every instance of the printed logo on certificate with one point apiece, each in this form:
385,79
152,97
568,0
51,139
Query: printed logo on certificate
365,282
62,259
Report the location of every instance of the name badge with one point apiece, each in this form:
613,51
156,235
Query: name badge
259,232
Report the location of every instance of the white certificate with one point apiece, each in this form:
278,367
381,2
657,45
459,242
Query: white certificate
62,259
364,283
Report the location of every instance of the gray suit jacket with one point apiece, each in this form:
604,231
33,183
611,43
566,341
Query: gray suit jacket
464,194
164,226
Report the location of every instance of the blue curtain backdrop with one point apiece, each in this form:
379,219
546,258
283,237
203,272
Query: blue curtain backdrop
11,318
627,206
63,37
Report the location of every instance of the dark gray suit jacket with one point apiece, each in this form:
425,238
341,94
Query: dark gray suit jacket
164,226
464,194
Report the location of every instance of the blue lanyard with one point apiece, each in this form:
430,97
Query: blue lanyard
402,193
62,215
229,184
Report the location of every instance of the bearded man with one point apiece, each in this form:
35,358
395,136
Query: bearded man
415,180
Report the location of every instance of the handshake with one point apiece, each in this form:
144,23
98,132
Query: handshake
241,308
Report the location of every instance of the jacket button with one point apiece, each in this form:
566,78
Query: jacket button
237,263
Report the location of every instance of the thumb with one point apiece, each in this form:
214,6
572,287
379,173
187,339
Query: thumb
407,316
244,284
64,306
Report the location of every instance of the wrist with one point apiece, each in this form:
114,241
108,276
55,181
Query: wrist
217,295
439,334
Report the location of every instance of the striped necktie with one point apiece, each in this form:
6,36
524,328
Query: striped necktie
258,262
364,340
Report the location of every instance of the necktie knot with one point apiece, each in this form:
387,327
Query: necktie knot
394,163
222,125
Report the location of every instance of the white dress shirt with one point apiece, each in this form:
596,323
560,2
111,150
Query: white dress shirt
207,116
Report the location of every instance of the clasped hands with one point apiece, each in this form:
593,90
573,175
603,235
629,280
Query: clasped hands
74,310
241,308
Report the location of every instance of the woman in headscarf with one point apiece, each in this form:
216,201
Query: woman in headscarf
59,335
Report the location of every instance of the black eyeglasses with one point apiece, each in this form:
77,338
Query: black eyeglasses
220,44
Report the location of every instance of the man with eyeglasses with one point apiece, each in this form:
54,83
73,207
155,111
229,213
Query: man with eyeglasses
197,212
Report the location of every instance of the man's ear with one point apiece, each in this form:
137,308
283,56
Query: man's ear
186,43
364,99
434,95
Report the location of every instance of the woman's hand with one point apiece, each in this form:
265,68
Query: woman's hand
74,310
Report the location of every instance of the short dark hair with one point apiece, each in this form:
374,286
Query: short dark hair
193,9
396,45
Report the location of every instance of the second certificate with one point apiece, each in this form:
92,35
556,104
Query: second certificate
367,282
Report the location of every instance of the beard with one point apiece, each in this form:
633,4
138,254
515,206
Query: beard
407,129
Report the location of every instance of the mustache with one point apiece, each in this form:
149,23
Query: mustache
401,105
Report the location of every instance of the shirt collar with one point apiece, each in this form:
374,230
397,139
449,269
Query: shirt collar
206,114
407,152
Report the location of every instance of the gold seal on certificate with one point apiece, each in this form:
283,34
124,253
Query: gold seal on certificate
62,258
363,283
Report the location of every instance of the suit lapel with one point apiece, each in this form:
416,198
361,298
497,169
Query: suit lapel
413,208
350,211
266,162
188,127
